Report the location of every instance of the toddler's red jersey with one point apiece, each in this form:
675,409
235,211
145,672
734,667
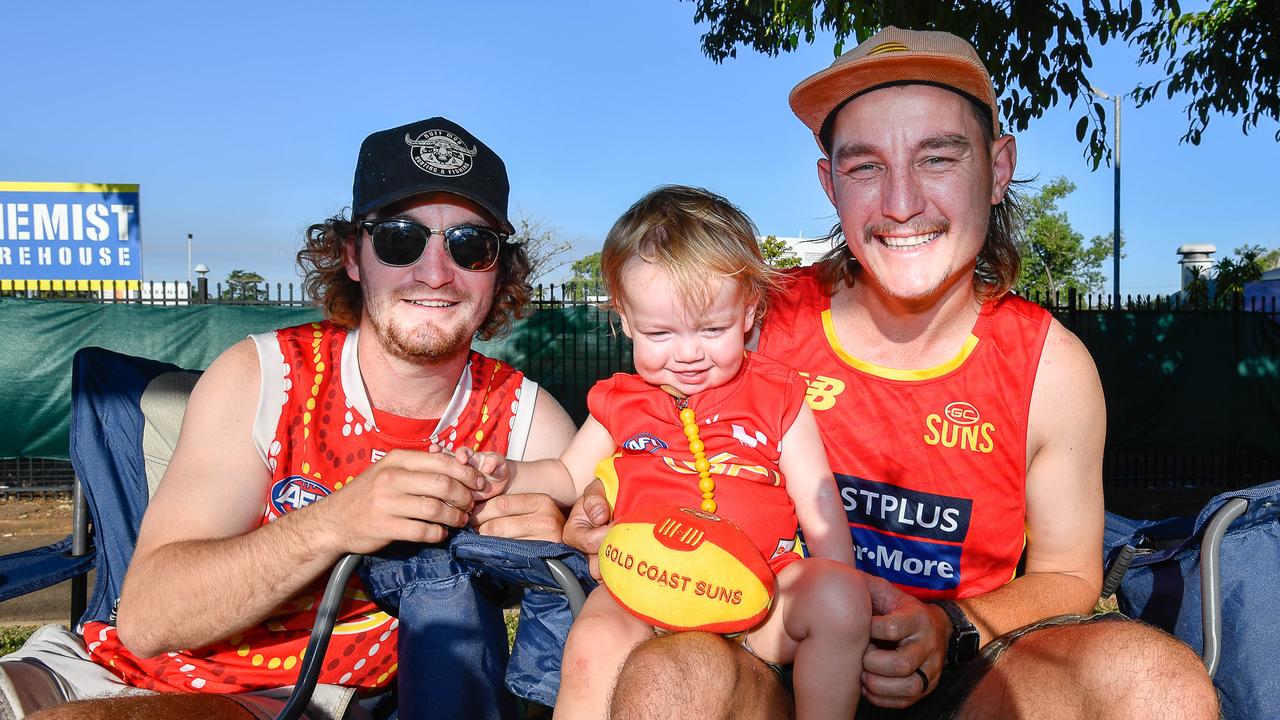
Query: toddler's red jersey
741,424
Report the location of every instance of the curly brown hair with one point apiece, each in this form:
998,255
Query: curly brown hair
325,277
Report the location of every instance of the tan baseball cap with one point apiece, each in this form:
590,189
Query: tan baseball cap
893,57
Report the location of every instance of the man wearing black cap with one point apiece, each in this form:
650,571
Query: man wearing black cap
964,426
311,442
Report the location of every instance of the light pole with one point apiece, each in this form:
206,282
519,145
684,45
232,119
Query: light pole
188,259
1115,236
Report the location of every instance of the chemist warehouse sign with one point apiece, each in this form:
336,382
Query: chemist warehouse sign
52,233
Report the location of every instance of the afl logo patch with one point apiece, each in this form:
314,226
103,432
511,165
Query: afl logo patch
295,492
961,413
641,442
440,152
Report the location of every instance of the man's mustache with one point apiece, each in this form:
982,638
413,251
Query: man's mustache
923,226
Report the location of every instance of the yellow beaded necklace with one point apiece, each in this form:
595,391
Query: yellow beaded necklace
706,485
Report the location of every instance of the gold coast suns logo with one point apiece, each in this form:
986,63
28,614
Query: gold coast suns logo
960,426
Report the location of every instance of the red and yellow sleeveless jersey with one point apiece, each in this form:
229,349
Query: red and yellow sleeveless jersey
931,463
322,441
741,423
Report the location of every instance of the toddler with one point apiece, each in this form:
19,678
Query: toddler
688,282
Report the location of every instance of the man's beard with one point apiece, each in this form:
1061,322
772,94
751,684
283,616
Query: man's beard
423,344
426,345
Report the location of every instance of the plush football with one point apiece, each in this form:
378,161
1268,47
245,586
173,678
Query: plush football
683,569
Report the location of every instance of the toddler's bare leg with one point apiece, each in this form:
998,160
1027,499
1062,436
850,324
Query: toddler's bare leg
600,639
820,621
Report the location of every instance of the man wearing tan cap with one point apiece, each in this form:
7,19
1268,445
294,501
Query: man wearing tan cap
964,426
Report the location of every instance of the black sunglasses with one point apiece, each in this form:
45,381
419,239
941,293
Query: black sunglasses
399,243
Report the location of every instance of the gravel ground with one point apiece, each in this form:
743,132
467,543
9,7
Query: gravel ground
32,523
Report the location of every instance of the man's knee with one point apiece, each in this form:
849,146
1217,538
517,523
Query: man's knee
1165,674
148,707
669,667
1103,669
704,675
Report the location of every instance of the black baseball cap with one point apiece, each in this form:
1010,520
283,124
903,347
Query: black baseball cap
435,155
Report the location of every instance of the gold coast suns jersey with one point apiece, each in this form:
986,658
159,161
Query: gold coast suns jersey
321,434
931,463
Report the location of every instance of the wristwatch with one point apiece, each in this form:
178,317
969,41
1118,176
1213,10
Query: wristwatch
964,642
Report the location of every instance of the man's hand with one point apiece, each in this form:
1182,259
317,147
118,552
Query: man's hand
588,522
905,634
526,516
407,495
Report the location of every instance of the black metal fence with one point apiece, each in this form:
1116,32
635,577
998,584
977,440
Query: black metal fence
1072,301
24,478
1153,484
550,296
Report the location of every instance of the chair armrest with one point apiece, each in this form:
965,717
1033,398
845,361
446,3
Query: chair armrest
38,568
1211,579
569,584
326,615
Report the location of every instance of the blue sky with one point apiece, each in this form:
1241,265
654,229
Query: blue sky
241,122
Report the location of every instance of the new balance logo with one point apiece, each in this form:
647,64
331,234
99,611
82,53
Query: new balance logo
822,391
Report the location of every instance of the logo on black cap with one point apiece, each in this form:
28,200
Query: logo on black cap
440,152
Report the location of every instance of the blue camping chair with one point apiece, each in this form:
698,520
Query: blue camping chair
123,430
1211,580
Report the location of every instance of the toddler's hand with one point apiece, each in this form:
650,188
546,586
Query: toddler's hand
492,466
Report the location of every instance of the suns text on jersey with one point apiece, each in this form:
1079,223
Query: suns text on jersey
960,425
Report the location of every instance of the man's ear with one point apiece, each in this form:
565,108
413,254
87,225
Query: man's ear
351,258
1004,157
824,177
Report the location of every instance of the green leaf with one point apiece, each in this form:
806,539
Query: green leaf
1222,59
1081,127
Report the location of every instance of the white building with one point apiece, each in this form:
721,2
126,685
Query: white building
1196,260
809,250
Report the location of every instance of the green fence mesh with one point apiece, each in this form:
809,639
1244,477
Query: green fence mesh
1184,381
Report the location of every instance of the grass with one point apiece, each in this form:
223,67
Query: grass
11,638
512,619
